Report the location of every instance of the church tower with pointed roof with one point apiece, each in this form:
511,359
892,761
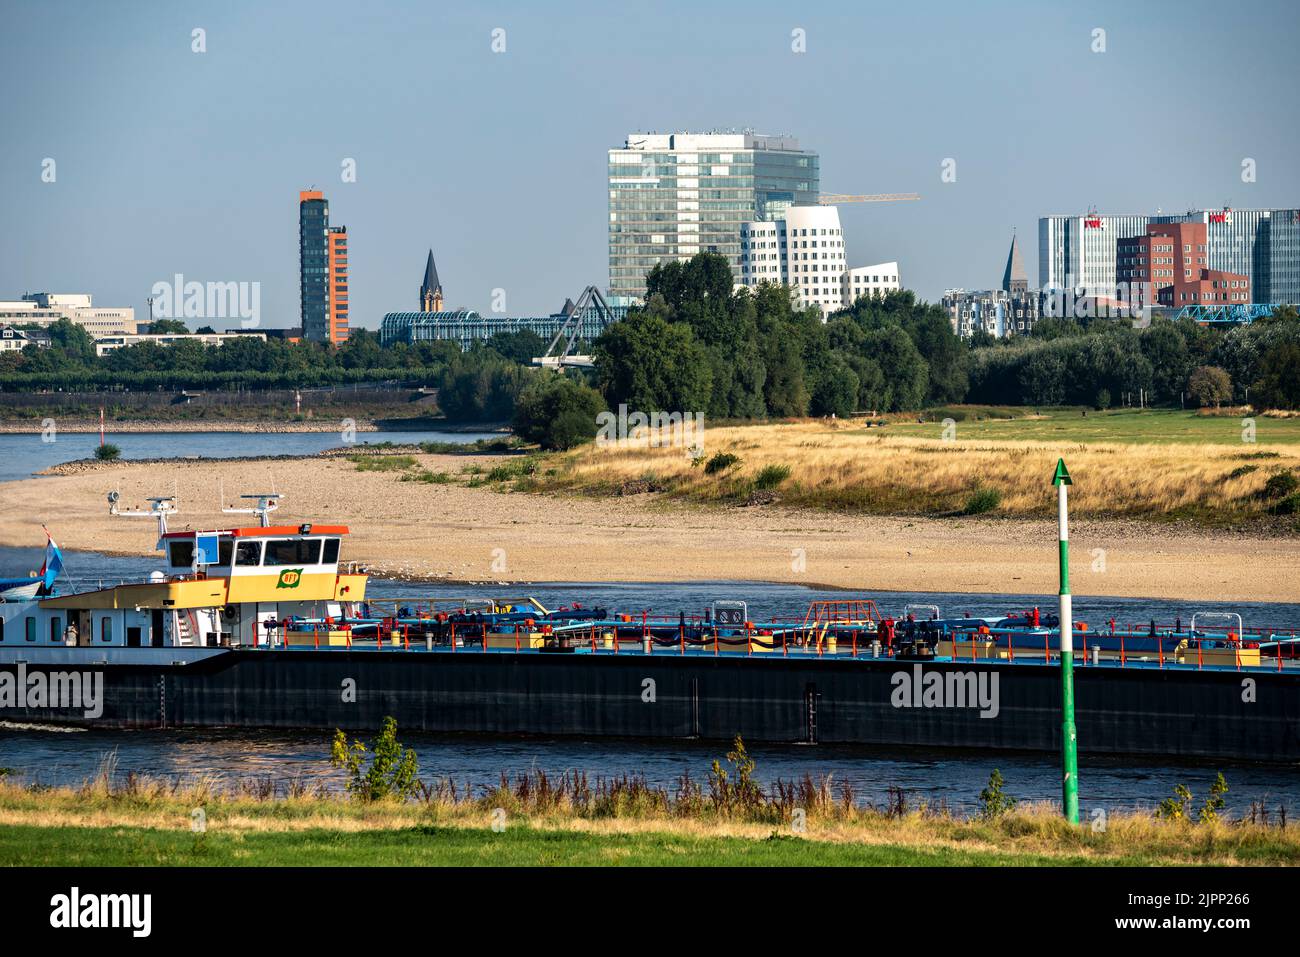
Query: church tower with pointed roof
431,288
1014,278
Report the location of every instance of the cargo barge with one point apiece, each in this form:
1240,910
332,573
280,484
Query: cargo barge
262,627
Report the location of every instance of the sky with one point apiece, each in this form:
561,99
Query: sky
167,160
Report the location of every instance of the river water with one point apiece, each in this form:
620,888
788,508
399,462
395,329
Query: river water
22,455
952,778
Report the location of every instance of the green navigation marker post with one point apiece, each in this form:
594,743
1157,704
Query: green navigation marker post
1069,744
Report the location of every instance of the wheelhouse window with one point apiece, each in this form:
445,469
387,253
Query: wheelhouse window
30,624
248,554
56,629
331,555
290,551
106,629
181,553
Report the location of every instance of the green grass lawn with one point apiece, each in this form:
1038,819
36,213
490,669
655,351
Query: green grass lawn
28,846
1116,425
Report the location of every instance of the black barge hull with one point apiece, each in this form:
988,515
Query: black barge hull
1171,712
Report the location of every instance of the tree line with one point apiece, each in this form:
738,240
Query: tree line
700,346
697,345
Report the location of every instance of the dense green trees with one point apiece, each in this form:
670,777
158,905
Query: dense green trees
557,412
749,353
1065,362
1278,385
652,364
481,387
522,346
699,346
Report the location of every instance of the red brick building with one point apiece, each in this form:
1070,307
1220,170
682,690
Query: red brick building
1172,258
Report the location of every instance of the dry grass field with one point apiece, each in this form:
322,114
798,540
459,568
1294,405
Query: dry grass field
899,471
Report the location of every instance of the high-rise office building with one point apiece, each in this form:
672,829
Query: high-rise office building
1260,244
1284,256
673,195
338,280
322,270
1079,251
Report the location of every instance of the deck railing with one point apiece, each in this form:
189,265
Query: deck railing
694,635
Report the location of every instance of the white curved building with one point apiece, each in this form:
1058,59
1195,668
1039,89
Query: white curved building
805,251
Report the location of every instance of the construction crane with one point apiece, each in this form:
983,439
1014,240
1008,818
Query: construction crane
834,199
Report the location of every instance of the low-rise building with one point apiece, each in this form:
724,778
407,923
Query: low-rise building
997,312
107,344
15,340
47,308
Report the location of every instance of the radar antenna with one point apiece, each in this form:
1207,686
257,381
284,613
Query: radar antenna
266,503
160,506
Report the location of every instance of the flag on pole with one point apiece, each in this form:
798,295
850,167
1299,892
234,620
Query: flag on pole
53,566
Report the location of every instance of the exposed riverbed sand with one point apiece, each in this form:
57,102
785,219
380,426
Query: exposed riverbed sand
412,529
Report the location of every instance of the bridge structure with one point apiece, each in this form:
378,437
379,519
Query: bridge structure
574,323
590,313
1226,314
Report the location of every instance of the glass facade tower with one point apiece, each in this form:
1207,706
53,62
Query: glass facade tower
314,265
674,195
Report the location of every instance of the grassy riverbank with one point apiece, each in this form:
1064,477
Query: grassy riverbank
533,821
1151,466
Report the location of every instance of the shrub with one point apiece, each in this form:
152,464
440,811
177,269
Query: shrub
517,469
393,769
558,413
1280,485
1175,808
1210,385
1287,506
993,801
382,463
108,452
735,790
720,462
983,499
428,478
1214,802
770,476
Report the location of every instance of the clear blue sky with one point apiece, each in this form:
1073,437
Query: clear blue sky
170,161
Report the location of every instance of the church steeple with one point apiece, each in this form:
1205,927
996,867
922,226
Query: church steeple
1014,278
431,288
